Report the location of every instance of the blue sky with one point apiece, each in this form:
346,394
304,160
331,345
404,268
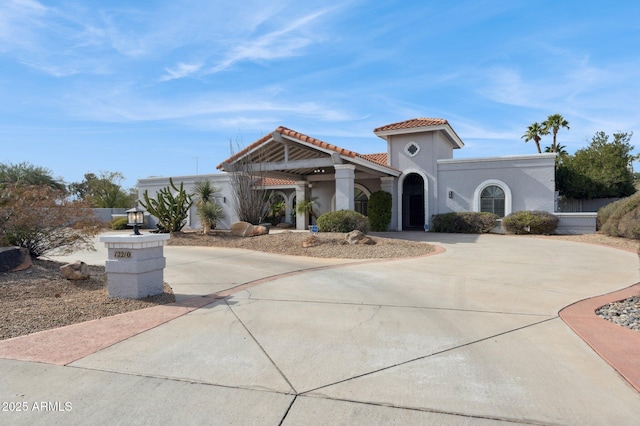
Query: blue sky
160,87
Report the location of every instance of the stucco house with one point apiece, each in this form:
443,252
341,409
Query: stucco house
418,169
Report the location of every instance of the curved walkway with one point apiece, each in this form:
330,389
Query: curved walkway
470,336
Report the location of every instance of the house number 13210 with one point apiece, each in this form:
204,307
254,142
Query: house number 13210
122,254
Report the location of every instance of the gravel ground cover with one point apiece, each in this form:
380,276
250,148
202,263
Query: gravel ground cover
40,299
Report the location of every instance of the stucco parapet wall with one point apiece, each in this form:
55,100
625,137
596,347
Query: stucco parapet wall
583,215
546,158
134,241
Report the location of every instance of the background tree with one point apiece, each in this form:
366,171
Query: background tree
554,123
28,174
103,191
42,219
602,170
535,132
170,210
209,211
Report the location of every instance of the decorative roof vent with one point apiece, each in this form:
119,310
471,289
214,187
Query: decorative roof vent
412,149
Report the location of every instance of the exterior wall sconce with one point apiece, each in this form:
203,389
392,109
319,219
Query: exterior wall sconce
135,217
450,194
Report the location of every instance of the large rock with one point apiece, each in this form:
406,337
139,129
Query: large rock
358,237
14,259
75,271
245,229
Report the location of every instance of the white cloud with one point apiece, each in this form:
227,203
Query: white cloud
180,71
280,43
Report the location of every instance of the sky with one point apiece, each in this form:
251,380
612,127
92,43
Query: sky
170,87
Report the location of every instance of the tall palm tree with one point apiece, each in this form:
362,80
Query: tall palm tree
555,122
560,149
534,133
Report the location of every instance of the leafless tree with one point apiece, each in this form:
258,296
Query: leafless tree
246,175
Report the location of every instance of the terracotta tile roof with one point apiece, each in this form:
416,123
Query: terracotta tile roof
381,159
317,142
413,123
302,137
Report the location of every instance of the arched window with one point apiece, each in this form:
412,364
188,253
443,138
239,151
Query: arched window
360,200
492,200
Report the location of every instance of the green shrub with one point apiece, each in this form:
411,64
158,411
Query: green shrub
605,212
464,222
119,224
343,221
625,220
530,222
379,211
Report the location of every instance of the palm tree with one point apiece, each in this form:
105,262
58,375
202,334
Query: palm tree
534,133
208,209
555,122
560,149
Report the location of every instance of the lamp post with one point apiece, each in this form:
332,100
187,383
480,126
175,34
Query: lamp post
135,217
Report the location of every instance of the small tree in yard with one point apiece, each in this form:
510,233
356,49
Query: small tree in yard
41,219
379,211
209,211
171,210
251,200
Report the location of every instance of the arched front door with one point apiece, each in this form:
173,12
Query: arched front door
413,202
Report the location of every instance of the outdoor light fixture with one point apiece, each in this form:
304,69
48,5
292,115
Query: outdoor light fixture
450,194
135,217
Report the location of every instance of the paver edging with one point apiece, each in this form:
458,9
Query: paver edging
617,345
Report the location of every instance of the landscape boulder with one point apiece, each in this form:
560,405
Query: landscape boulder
245,229
75,271
358,237
14,259
311,241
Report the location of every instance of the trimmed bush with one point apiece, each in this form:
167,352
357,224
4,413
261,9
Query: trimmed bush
465,222
625,220
343,221
379,211
530,222
119,224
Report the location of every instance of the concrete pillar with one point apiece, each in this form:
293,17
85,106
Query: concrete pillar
345,177
388,184
302,220
135,265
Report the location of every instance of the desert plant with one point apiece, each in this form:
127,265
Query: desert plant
379,211
625,219
276,212
42,220
343,221
306,207
530,222
464,222
120,224
605,212
208,209
171,210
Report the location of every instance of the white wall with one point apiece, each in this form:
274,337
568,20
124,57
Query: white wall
530,179
220,180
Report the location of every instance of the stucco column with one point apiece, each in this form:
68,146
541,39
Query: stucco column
345,176
302,220
388,184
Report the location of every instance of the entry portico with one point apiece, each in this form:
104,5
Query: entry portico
318,171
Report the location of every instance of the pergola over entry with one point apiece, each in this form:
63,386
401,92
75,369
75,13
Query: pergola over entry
301,159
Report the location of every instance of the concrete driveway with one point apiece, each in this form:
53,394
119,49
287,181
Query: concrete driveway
469,336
